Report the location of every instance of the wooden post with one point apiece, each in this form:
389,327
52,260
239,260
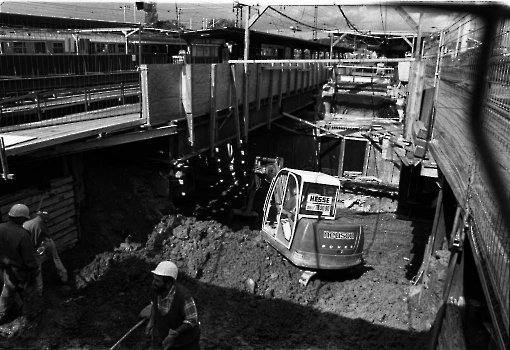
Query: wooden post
312,76
86,101
212,111
144,90
430,244
259,84
187,99
280,85
246,107
236,103
442,309
38,99
270,112
296,75
289,72
414,99
368,147
341,158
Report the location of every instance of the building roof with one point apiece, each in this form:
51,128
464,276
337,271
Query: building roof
50,22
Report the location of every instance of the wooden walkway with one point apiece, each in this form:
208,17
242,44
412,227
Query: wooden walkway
30,140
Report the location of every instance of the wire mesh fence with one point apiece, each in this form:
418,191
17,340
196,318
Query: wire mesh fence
459,61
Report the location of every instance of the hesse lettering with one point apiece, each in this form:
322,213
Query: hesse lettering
338,235
320,199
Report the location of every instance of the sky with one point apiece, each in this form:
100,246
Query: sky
292,18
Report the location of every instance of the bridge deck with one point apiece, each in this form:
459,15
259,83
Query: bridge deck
29,140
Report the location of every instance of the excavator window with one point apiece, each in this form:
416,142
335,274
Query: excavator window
319,199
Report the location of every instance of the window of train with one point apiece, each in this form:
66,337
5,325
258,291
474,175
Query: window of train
111,48
121,48
58,47
19,47
40,47
100,48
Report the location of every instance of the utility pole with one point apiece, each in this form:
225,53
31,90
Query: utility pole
316,9
178,16
124,7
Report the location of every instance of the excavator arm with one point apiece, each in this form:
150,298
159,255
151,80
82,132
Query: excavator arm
264,169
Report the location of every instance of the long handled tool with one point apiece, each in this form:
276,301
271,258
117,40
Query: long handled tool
145,313
129,332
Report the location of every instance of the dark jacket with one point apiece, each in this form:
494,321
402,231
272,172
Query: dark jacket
16,248
175,318
37,229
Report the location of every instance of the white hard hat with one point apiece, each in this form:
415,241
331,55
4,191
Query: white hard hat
19,211
166,268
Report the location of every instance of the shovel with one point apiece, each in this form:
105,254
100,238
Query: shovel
145,314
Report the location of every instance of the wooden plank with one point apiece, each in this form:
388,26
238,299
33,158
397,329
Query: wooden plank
58,220
223,93
67,241
33,201
58,134
296,80
313,71
187,99
13,198
455,334
63,207
280,85
415,97
233,88
200,87
366,158
246,107
289,81
70,221
341,158
61,233
61,181
212,111
163,99
420,130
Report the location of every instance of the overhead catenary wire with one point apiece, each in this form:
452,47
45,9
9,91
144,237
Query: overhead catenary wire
296,21
349,23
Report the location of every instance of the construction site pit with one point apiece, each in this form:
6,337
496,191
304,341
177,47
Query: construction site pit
248,296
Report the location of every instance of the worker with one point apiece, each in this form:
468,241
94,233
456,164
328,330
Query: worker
45,248
173,321
290,203
289,210
18,266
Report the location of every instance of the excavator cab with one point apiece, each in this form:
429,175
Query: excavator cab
300,222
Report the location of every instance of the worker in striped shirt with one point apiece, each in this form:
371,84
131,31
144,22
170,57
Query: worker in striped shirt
174,320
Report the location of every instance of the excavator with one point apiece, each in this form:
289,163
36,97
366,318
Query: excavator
300,222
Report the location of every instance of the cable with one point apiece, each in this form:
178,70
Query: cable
295,20
349,23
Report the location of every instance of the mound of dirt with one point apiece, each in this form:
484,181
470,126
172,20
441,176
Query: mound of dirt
248,296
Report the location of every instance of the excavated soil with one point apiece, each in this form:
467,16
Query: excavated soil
248,296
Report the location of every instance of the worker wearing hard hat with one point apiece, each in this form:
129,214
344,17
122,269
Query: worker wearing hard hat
174,321
45,247
18,265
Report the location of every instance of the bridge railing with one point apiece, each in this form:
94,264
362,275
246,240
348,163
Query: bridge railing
59,106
